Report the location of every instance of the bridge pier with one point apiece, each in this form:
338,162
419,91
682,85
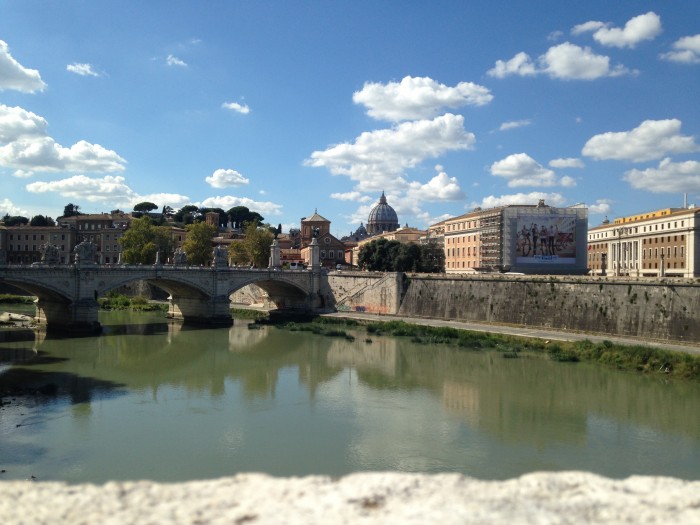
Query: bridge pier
78,317
208,311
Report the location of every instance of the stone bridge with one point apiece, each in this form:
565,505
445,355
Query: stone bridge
67,294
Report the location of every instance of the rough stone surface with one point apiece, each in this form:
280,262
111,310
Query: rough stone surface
366,498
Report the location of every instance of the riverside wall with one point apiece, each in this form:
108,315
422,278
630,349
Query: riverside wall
661,309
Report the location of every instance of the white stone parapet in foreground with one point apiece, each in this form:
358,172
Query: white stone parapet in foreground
366,498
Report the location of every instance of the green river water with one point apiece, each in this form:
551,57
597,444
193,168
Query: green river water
151,399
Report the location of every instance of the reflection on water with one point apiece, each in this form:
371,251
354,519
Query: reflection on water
158,400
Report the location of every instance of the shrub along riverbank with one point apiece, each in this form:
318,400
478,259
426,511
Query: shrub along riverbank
137,303
637,358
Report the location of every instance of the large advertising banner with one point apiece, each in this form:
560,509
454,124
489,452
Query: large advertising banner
546,240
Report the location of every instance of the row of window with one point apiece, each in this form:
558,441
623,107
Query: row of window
651,227
465,251
595,256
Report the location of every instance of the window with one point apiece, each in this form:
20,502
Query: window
323,254
331,254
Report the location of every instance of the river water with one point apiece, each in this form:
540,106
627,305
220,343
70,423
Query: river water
151,399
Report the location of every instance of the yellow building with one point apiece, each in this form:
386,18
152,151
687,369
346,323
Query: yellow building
655,244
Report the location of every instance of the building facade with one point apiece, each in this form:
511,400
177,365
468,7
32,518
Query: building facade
655,244
533,239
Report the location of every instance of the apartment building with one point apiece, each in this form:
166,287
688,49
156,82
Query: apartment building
660,243
22,244
535,239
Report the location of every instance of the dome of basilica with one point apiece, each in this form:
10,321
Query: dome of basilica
382,218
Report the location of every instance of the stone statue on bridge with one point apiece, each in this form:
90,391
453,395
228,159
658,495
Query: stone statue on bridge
180,257
85,253
219,257
50,254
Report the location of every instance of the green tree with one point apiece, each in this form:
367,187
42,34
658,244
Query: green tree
145,207
40,220
14,220
254,249
71,210
240,216
197,244
143,240
186,214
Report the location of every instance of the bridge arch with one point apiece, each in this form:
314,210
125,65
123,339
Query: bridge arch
283,291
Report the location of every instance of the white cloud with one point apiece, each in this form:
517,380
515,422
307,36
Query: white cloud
565,61
84,70
417,98
686,50
378,159
25,146
601,206
15,76
520,170
669,177
520,64
568,61
7,207
228,201
636,30
172,60
352,196
492,201
222,178
514,124
22,174
566,163
652,139
235,106
440,188
555,35
110,191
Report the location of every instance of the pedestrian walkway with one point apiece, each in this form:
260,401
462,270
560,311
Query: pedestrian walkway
523,331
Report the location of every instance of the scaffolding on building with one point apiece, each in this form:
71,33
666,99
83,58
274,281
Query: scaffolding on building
491,232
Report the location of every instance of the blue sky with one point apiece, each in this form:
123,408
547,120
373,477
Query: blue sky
291,106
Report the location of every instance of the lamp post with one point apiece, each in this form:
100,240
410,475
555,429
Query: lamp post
663,267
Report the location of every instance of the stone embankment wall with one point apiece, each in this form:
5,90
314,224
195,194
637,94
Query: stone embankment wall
664,309
378,293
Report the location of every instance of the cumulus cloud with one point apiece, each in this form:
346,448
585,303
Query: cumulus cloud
520,170
566,163
84,70
669,177
417,98
652,139
378,159
492,201
601,206
352,196
226,202
521,64
222,178
565,61
108,190
235,106
24,145
172,60
636,30
441,187
7,207
514,124
15,76
686,50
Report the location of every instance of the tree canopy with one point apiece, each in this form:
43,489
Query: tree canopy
254,249
187,214
143,240
14,220
71,210
41,220
240,216
392,256
197,244
145,207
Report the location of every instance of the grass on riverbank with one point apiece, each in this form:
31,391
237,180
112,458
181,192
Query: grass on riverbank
636,358
6,298
248,313
137,303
